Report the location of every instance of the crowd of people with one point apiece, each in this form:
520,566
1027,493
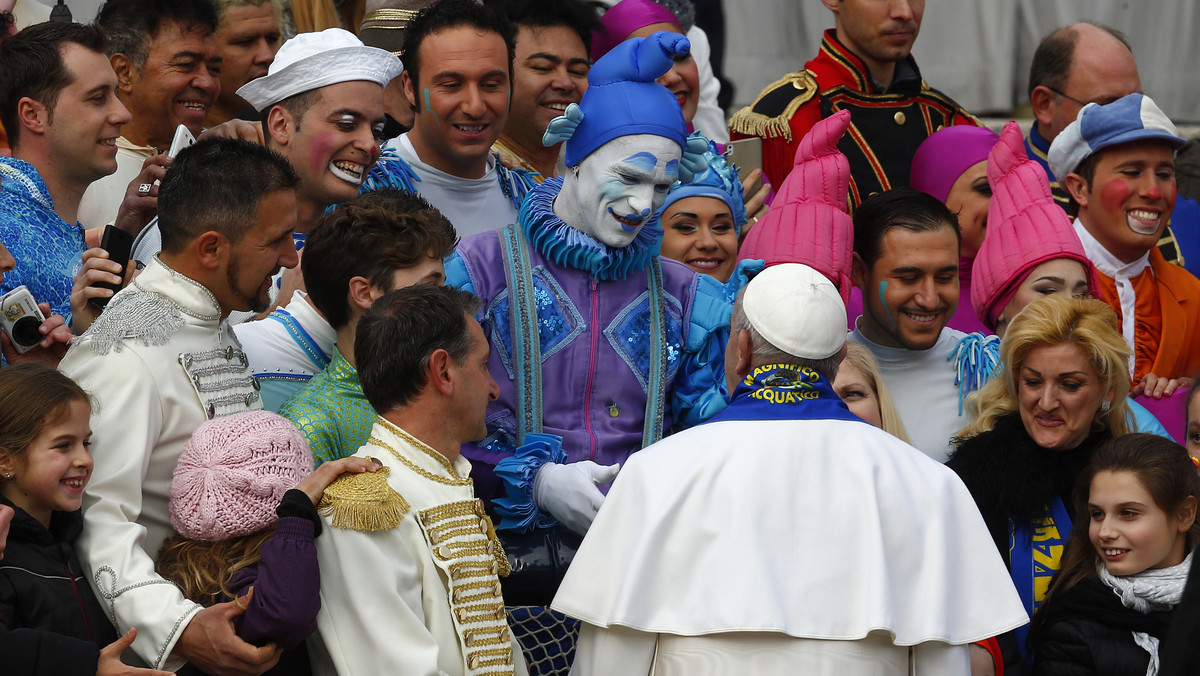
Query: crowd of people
457,339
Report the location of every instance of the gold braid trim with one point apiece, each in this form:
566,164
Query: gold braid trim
363,502
388,14
747,121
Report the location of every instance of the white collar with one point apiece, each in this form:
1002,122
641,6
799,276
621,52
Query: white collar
1104,261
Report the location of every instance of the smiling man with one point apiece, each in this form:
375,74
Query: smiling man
1118,165
167,67
322,106
458,79
549,73
58,101
906,265
247,37
865,66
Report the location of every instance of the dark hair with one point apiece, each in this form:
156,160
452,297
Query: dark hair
396,337
31,65
446,14
1161,466
131,25
33,396
906,208
1055,55
571,14
371,236
217,184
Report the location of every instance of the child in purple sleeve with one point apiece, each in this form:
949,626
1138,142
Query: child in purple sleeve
243,500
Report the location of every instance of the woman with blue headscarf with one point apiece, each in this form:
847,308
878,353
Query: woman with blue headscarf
702,220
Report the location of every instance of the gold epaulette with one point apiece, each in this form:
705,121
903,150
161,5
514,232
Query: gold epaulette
771,112
363,501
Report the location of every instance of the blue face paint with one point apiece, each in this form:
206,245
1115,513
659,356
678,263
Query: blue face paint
429,107
882,290
644,161
673,170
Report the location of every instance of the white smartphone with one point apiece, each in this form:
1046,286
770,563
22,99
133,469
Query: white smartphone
183,138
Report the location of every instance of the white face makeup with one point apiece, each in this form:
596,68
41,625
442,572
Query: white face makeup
621,184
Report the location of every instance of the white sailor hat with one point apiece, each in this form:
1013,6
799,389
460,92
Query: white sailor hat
313,60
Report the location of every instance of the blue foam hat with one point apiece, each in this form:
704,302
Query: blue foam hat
623,99
1130,118
719,181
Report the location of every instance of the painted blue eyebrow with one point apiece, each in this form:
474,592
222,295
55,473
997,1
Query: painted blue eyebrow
643,160
673,168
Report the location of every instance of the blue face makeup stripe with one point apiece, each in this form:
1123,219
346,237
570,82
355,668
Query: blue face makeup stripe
643,160
429,107
673,170
882,290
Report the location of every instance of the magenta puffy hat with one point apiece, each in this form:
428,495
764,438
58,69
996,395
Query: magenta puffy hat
946,154
624,18
1025,229
233,473
808,222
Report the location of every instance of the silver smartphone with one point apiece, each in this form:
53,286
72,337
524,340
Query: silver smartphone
746,153
183,138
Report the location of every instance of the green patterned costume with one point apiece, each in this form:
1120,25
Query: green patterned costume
332,412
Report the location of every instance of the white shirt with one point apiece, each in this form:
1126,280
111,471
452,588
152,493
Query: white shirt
103,197
472,205
283,361
1122,274
922,386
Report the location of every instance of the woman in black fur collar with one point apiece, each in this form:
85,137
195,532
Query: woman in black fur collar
1060,392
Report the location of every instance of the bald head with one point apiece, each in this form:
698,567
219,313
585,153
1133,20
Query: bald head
1079,64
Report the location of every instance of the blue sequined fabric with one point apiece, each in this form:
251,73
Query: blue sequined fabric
629,335
48,250
559,322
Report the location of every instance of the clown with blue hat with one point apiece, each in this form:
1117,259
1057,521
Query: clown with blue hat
599,347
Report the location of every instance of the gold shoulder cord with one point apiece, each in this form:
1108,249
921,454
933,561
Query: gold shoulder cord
363,502
452,480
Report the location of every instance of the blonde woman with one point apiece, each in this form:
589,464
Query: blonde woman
1059,393
859,385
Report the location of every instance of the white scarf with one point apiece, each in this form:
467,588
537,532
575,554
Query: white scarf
1147,591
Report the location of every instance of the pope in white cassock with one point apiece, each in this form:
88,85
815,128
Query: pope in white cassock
786,535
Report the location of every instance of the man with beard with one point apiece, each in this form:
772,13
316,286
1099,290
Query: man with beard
864,66
158,363
906,265
167,65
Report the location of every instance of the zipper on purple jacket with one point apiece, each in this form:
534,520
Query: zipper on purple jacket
587,397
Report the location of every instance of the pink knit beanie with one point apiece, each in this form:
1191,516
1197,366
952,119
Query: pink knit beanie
233,473
808,222
1025,229
946,154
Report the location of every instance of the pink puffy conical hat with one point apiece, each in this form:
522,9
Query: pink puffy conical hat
1025,228
808,222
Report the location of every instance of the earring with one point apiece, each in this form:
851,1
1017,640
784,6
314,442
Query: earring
8,475
1104,407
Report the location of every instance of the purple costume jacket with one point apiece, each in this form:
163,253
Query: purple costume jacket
594,324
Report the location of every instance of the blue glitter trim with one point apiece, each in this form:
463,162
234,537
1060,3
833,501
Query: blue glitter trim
629,336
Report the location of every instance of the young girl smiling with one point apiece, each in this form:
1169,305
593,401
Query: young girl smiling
1126,565
45,601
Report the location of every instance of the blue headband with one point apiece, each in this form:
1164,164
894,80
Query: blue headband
719,181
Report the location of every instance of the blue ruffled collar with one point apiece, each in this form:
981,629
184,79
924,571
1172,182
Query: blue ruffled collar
572,248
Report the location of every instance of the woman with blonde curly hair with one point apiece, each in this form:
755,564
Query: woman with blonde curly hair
1060,393
859,385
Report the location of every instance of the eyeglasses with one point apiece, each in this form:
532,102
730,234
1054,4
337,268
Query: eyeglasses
1067,96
